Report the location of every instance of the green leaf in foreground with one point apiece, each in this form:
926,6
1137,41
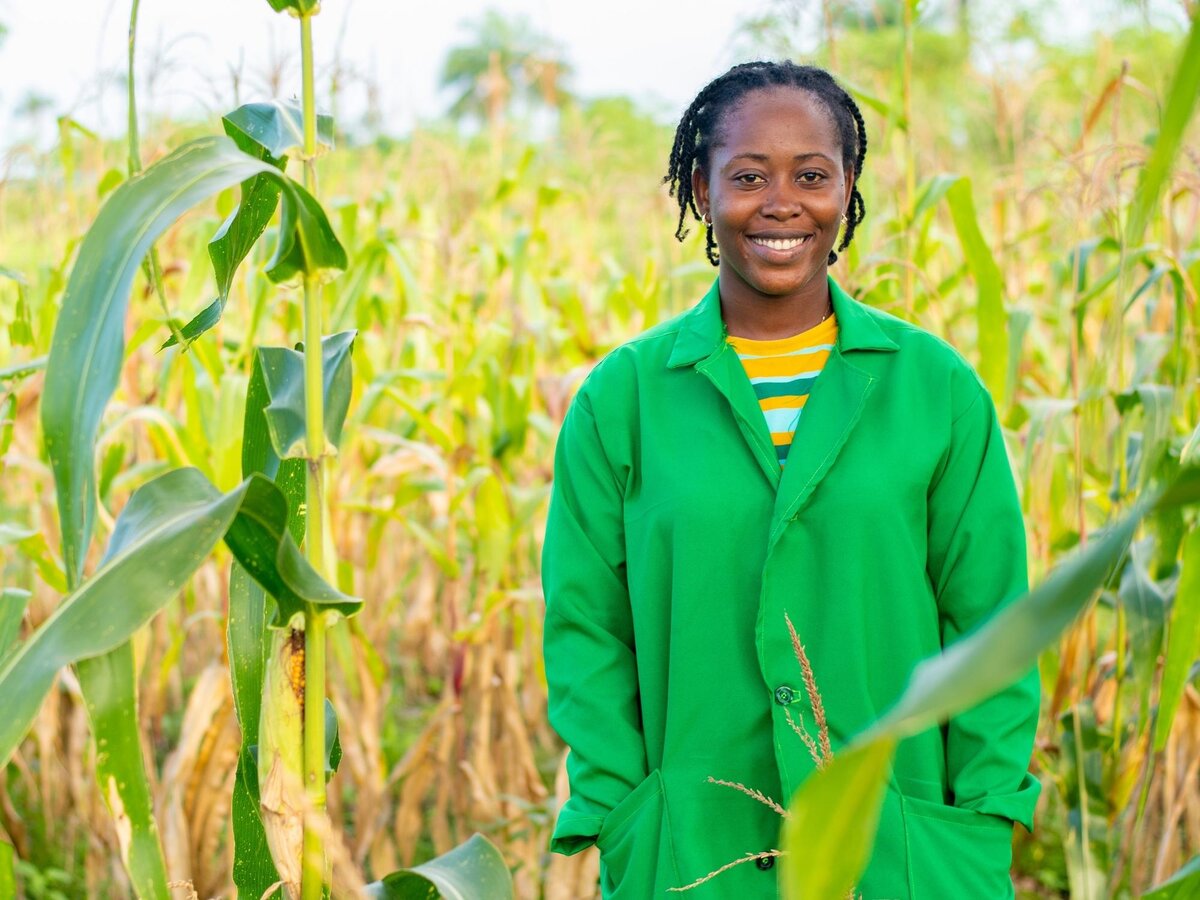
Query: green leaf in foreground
985,661
961,676
296,7
283,371
266,131
265,548
275,126
109,685
89,339
834,816
1183,885
472,869
166,530
12,609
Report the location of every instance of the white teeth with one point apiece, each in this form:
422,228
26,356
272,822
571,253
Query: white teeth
779,244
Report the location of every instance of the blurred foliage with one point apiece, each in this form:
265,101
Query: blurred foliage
488,271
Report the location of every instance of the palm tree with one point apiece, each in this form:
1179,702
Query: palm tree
506,59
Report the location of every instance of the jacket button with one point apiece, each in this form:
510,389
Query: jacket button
765,862
783,696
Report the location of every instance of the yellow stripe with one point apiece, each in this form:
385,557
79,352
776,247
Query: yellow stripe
785,365
781,437
785,402
825,333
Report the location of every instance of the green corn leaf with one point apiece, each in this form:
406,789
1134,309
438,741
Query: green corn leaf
983,662
296,7
109,685
8,875
962,675
266,131
161,537
307,244
1183,885
12,610
834,817
250,611
493,521
264,546
253,871
1183,640
1181,103
1184,489
333,743
230,245
1146,612
472,869
283,372
32,545
88,344
932,193
274,127
990,317
17,371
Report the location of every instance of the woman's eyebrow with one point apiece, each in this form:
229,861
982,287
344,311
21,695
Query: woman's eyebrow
763,157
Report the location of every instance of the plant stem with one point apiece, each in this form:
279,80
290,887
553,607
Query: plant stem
151,267
313,867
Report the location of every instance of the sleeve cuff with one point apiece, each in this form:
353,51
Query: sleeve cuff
573,832
1017,806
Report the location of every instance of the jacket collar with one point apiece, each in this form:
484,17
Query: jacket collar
702,330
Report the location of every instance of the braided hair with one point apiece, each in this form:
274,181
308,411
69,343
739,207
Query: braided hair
694,137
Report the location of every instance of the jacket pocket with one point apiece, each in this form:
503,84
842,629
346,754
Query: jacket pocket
629,842
955,852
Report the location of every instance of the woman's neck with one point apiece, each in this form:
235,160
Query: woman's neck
772,318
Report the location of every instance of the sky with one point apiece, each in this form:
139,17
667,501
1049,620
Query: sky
659,52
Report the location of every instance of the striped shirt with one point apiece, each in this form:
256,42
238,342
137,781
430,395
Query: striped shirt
782,372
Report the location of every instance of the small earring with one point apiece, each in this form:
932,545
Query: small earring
707,219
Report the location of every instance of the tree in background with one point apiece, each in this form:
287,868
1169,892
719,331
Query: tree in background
505,61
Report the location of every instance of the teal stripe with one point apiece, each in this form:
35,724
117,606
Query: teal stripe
797,387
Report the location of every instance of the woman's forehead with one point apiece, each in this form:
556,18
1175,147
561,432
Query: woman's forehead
777,116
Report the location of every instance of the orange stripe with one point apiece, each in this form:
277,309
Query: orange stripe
781,437
785,402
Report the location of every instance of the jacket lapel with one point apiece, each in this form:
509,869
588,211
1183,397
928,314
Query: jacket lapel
834,407
837,400
701,342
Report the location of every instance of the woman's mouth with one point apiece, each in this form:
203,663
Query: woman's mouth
779,247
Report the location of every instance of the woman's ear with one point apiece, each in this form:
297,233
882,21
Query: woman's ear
851,177
700,191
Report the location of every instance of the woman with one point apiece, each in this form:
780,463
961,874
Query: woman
778,450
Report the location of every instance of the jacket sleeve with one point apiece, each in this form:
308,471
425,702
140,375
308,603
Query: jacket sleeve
976,565
588,644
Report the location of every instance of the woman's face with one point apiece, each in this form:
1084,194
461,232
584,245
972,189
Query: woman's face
776,189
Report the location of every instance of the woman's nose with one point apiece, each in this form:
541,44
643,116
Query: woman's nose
780,201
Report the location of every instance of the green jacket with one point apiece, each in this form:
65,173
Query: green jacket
673,550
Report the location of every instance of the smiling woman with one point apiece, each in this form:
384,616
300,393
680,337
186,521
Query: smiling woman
780,454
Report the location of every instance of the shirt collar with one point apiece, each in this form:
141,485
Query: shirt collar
702,330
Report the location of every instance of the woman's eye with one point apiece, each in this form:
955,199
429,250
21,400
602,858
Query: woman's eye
811,177
748,178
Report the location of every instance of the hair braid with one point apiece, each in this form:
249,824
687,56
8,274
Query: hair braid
698,127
